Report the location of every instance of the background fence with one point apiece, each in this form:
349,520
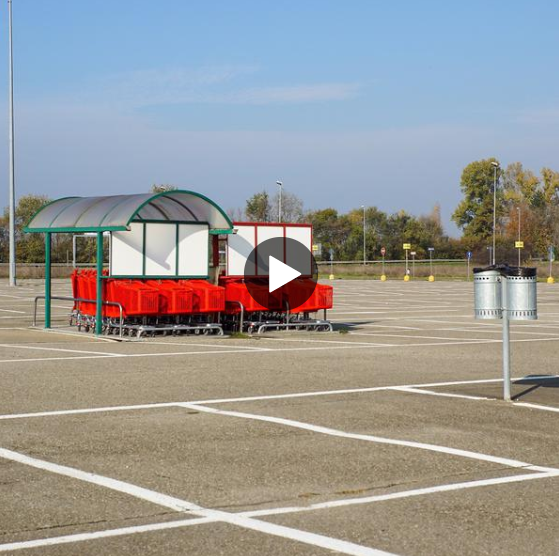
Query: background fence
448,269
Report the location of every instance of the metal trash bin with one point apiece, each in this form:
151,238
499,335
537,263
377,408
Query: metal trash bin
520,299
488,293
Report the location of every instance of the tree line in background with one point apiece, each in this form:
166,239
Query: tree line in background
526,202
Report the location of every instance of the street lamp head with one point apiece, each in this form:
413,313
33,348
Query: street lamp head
495,164
280,183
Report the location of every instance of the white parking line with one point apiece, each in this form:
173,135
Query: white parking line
432,393
293,395
371,438
403,494
179,505
63,350
80,537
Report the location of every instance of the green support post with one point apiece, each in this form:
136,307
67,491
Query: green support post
47,280
99,305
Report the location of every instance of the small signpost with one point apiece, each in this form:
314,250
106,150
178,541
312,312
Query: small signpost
383,253
551,257
431,275
413,254
407,247
331,253
469,258
519,245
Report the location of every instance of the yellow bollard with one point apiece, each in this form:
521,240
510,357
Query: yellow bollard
431,278
331,277
383,278
406,278
551,280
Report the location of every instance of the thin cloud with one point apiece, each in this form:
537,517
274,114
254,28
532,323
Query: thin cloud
544,116
295,94
210,85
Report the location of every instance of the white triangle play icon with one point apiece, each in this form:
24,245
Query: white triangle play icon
280,274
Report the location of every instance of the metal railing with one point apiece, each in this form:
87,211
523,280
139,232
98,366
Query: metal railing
81,300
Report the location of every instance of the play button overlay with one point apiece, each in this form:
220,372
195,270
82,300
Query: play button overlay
281,274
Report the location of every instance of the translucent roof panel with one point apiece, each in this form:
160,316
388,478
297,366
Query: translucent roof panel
115,212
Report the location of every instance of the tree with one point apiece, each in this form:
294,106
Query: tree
519,185
161,188
30,248
291,208
236,214
258,208
331,230
474,214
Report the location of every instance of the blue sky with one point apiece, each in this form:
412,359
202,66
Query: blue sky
347,102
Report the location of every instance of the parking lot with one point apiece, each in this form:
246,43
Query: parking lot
384,437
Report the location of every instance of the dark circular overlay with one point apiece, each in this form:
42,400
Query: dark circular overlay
294,294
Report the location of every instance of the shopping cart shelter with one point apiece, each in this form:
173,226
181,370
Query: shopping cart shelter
163,271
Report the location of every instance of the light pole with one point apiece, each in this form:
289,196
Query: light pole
12,227
495,166
280,185
364,237
490,249
430,249
518,211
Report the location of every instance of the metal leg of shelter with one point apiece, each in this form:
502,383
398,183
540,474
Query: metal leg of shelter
506,342
47,279
99,305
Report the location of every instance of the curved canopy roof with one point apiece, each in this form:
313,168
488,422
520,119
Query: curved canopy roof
116,212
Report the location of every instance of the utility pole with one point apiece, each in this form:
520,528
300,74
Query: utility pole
364,237
495,166
280,185
12,227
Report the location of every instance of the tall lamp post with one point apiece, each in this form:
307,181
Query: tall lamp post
519,240
495,167
364,237
12,229
280,185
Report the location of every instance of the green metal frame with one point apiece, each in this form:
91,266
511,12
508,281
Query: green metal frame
75,230
48,231
99,306
47,280
174,192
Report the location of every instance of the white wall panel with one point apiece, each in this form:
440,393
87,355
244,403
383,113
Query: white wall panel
239,247
127,251
264,233
161,241
193,249
302,235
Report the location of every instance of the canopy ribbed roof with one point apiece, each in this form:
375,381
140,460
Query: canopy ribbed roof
116,212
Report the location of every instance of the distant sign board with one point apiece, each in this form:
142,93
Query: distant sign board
519,244
383,251
551,253
413,253
469,255
406,246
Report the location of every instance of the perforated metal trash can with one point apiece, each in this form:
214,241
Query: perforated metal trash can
487,293
520,299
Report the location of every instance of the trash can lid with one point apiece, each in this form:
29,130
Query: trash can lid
494,267
506,270
523,271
